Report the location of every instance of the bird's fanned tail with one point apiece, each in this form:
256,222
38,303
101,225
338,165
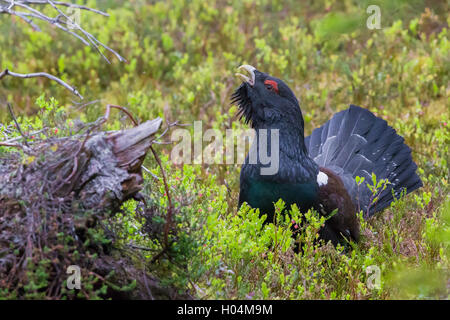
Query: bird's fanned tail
357,143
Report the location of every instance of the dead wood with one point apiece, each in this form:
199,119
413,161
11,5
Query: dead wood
61,188
100,171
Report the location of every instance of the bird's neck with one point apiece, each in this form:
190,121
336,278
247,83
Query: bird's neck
294,164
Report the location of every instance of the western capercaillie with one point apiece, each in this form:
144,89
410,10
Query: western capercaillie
319,171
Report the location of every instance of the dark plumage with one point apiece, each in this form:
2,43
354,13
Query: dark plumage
356,143
353,143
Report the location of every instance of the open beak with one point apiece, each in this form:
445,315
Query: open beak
251,71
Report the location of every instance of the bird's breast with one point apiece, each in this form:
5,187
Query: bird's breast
263,195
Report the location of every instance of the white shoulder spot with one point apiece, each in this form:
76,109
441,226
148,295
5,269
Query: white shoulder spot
322,179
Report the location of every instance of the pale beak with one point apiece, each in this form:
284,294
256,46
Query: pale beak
251,71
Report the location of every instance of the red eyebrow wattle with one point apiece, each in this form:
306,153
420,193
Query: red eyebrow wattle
274,84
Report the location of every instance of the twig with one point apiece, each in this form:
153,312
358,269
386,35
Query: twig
125,110
33,133
159,255
151,173
144,276
6,72
30,13
23,16
89,36
158,160
65,4
169,125
11,112
13,145
80,106
134,246
169,198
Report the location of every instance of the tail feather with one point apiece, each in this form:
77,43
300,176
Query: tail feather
357,143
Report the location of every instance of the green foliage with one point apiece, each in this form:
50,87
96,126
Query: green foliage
249,260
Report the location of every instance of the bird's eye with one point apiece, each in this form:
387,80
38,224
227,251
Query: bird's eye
271,85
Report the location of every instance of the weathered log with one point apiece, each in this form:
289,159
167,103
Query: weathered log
99,172
64,186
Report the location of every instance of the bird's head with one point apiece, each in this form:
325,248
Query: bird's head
265,101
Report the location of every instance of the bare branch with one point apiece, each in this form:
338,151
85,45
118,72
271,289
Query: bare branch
169,219
64,4
61,19
125,110
11,112
21,15
80,105
13,145
6,72
151,173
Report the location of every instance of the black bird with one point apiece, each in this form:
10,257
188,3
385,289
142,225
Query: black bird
319,171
